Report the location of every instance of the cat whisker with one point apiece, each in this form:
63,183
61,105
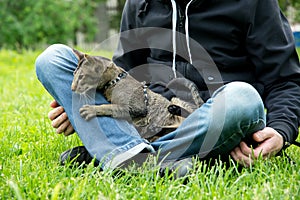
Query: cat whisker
88,98
82,98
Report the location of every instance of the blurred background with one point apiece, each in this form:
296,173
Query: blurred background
31,24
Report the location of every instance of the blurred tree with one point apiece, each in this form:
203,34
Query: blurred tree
285,4
26,23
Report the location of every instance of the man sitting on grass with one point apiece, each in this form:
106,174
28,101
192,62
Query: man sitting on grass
241,55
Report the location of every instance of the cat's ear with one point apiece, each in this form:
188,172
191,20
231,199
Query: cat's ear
79,54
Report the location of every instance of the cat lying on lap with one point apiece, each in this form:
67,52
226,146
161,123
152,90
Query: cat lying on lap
130,99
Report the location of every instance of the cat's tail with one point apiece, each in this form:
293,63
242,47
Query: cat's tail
184,89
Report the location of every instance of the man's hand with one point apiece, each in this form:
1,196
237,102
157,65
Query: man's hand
60,120
270,143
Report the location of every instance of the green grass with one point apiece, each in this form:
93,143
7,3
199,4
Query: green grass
29,151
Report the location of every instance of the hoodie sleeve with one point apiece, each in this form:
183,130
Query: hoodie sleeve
271,47
131,51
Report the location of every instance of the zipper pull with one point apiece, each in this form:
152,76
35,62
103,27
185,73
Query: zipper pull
181,18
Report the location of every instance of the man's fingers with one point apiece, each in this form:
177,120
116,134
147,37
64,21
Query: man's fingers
245,149
54,104
270,142
234,154
243,159
261,150
58,121
69,131
55,113
62,127
265,150
264,134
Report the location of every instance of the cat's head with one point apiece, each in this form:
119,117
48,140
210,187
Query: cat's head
91,72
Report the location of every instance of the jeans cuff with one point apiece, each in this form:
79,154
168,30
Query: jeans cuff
122,157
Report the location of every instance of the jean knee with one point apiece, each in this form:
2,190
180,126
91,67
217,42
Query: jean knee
248,99
243,98
53,58
44,60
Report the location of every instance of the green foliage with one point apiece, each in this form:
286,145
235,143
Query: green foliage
30,149
297,8
284,4
27,23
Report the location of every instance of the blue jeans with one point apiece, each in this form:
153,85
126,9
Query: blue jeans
234,112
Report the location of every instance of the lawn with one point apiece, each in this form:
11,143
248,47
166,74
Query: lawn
30,149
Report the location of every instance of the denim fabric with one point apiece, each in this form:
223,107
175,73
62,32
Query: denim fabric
234,112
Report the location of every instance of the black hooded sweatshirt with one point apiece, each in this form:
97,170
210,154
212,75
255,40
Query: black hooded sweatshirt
228,40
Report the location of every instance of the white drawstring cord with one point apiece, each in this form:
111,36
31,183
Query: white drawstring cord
174,22
187,35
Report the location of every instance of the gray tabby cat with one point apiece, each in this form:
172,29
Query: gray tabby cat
151,113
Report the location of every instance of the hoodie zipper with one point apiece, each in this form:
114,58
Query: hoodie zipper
181,29
181,20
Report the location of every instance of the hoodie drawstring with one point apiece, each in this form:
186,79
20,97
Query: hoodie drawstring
187,37
174,22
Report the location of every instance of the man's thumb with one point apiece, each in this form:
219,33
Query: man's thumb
264,134
259,136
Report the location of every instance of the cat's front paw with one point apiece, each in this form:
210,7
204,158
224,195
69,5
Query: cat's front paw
87,112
